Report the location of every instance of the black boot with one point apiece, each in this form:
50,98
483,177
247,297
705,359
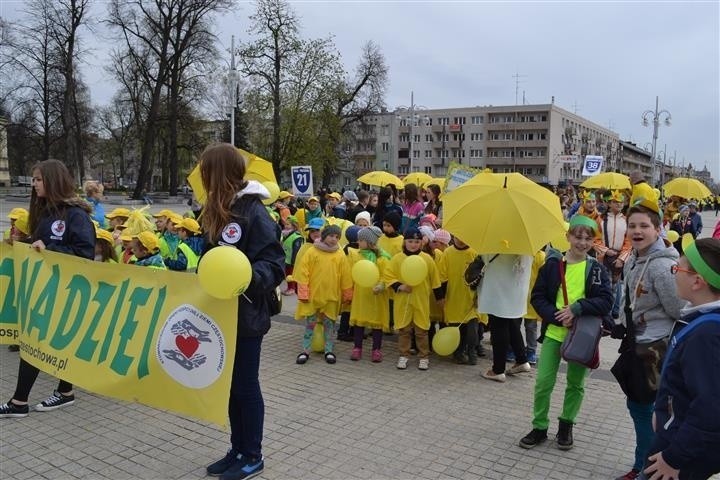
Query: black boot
534,438
564,437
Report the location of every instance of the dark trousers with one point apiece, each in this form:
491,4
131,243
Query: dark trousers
505,332
27,374
246,408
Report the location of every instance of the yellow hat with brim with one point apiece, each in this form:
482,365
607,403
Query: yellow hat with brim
164,213
175,218
148,240
285,194
16,213
22,223
118,212
644,195
189,224
334,195
102,234
313,199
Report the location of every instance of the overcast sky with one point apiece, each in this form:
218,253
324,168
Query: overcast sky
607,60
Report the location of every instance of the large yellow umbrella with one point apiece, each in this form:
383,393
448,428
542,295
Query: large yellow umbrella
380,178
503,213
609,180
418,178
440,182
257,168
687,188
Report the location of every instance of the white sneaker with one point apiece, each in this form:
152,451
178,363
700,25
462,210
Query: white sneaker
518,368
402,363
490,375
424,364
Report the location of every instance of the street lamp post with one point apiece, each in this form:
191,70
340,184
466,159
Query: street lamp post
656,116
411,118
233,90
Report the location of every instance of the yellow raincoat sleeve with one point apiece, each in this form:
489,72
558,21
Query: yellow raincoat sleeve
460,300
436,311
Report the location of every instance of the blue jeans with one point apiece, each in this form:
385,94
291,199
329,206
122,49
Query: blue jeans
246,408
641,414
617,290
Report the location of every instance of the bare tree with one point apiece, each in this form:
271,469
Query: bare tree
67,17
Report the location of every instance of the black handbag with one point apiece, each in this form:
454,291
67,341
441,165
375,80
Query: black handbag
475,271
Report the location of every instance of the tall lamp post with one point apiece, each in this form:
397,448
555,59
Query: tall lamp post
233,80
656,117
412,118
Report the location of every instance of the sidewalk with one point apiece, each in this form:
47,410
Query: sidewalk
349,420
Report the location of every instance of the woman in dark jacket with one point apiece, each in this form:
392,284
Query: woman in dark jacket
59,222
235,216
386,204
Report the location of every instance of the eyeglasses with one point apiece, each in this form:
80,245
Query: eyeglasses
676,268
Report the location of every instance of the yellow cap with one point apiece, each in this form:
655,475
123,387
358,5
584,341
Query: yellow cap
175,218
16,213
164,213
313,199
189,224
285,194
334,195
22,223
118,212
104,235
149,240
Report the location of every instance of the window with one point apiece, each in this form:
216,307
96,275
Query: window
405,137
385,147
542,136
428,121
428,153
403,122
444,154
416,137
476,153
458,137
444,121
428,137
508,136
458,120
476,136
416,153
443,137
428,170
543,118
403,170
477,120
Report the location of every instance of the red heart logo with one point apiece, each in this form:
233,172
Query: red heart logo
187,345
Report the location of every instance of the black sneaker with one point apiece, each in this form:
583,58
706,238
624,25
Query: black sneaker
218,468
10,410
55,401
534,438
244,469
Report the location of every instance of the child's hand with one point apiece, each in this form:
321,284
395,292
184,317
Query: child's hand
565,316
405,288
377,289
38,245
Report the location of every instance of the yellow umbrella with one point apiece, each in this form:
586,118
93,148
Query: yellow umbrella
418,178
380,178
257,168
687,188
440,182
503,213
609,180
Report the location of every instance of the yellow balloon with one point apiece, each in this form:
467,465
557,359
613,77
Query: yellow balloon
274,192
672,236
365,273
413,270
224,272
446,341
317,344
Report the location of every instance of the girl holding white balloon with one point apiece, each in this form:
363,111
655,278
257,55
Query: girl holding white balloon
370,298
412,275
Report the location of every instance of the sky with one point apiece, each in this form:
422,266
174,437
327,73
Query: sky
606,61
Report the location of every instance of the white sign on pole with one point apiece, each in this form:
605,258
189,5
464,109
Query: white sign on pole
302,181
592,165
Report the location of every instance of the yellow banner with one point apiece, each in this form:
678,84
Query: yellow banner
128,332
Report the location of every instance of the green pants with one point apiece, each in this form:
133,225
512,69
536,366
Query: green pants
548,365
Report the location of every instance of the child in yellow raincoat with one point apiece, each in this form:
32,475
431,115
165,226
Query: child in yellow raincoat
460,302
370,304
412,303
324,284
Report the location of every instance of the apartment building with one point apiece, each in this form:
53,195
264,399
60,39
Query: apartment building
534,140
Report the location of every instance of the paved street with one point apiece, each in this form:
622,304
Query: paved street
349,420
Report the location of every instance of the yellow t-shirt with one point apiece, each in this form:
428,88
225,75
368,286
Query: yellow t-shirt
575,284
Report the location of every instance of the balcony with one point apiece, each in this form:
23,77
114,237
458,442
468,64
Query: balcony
452,144
438,145
403,145
438,162
403,162
404,129
501,143
439,128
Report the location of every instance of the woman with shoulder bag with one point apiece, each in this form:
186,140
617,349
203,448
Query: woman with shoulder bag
232,215
651,308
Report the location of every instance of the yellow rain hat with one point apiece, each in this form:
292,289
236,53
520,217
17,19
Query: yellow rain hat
148,240
16,213
118,212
